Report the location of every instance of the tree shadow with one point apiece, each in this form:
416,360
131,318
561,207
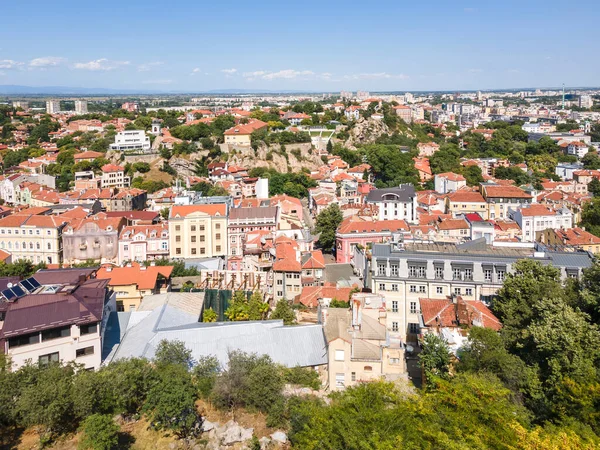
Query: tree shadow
10,437
126,440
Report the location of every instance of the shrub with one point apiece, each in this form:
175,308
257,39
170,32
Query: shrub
302,376
99,432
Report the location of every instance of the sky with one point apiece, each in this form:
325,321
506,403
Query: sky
383,45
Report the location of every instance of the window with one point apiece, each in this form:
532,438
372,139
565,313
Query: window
394,361
88,329
56,333
218,248
422,289
381,270
178,238
353,376
395,326
501,274
339,355
25,339
218,236
469,291
413,328
439,290
202,238
413,288
468,274
49,246
44,360
412,271
439,272
177,227
382,286
487,274
201,228
457,291
218,226
202,251
394,306
455,273
413,307
339,380
421,272
193,251
368,369
280,281
84,352
178,251
394,288
193,228
394,269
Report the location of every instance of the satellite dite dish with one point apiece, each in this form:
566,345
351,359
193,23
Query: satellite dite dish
409,348
9,285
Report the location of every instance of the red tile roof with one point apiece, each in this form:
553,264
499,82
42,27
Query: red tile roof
125,276
219,209
447,313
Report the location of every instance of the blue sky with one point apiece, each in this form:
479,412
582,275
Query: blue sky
307,45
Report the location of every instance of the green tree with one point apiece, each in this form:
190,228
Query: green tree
209,315
590,216
206,372
99,432
284,311
243,308
594,187
327,224
435,357
173,353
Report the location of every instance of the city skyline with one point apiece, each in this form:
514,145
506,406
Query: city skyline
273,47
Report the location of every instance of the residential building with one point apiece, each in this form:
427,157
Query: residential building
395,203
81,107
427,149
360,347
52,106
577,148
143,243
571,239
131,140
449,182
134,281
246,220
53,322
198,231
35,238
500,199
586,101
240,134
94,238
473,270
356,231
313,268
404,112
131,199
535,219
287,282
452,318
113,176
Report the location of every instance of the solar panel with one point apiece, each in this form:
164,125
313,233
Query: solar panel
8,294
35,283
27,285
18,290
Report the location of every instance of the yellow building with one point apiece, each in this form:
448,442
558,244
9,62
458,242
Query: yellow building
241,134
134,281
465,202
198,231
572,238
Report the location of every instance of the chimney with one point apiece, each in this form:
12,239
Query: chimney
81,278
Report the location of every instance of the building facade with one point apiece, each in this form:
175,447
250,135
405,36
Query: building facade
198,231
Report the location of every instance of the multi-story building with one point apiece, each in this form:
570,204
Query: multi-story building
500,199
246,220
395,203
577,148
95,238
52,106
131,140
449,182
198,231
131,199
571,239
404,112
465,202
473,270
240,134
360,346
33,237
113,176
81,107
45,322
586,101
144,243
535,219
287,270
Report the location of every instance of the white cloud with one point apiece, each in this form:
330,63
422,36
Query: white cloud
101,64
376,76
229,71
475,70
157,82
46,61
196,70
9,64
287,74
146,67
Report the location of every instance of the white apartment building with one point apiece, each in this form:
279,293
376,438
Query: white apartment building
114,176
586,101
395,203
52,106
131,140
448,182
578,149
535,219
81,107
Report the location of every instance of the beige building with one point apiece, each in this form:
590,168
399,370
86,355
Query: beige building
114,176
198,231
36,238
465,202
360,348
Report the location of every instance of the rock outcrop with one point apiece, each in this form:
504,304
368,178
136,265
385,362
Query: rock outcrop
366,131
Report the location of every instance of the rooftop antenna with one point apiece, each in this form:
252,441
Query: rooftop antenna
563,102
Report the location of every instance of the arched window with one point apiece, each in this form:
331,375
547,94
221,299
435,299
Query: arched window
368,369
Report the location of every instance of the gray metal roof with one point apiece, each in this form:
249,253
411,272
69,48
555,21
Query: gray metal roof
288,345
405,193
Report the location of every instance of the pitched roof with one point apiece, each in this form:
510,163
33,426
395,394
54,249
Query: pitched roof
577,236
247,128
311,295
219,209
107,168
313,260
466,196
126,276
449,313
505,192
356,224
537,210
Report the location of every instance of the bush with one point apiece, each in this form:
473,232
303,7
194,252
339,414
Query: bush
99,432
302,376
206,371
